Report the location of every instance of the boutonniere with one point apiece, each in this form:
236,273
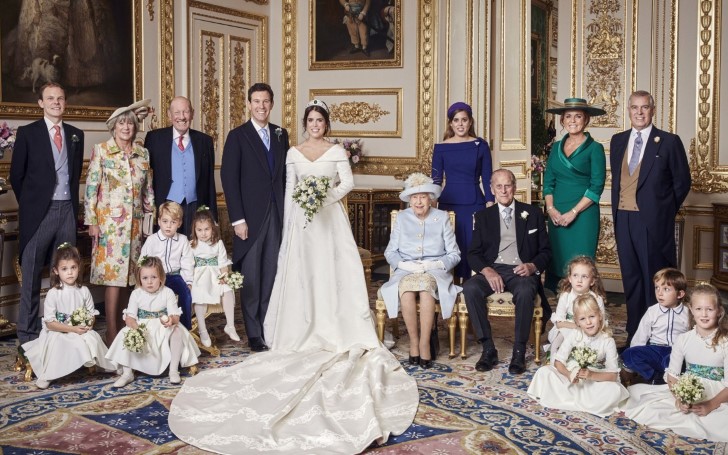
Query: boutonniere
657,139
75,139
524,214
278,132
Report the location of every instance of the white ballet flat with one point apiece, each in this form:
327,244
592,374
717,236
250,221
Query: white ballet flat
42,383
124,380
205,339
230,330
174,377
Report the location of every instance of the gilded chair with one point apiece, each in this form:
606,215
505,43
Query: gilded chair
381,308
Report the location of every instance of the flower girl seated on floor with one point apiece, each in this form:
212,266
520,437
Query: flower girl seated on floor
585,374
211,265
67,341
704,349
152,313
582,278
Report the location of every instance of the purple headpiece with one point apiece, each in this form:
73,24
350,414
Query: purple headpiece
459,106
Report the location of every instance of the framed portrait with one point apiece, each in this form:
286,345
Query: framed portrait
355,35
91,47
724,261
724,234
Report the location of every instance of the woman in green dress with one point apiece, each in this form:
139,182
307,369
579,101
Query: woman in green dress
573,182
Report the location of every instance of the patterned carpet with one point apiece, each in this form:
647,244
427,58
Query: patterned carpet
461,411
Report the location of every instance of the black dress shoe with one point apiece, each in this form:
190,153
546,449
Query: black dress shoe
488,359
518,362
257,345
425,363
365,51
414,359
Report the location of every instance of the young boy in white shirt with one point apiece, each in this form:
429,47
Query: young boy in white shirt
649,351
174,250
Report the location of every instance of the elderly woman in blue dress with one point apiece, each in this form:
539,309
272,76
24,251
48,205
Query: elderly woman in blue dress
422,252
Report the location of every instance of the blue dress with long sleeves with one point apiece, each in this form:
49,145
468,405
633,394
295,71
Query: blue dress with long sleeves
463,166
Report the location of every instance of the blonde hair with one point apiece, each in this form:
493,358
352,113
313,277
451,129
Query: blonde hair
171,208
586,302
708,290
597,287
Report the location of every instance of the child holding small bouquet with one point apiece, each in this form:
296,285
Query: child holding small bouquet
210,281
153,339
67,341
585,373
694,403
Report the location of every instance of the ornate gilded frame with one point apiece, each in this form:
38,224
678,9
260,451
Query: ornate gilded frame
357,109
74,112
315,64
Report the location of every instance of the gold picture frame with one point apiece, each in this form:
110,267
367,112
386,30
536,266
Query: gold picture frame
18,76
330,43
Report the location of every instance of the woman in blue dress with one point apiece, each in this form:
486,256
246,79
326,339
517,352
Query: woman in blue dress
463,162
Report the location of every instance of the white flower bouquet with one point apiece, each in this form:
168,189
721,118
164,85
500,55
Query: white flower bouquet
353,149
134,339
584,356
310,193
688,389
82,317
233,279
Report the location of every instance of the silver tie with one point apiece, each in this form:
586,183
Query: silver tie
265,137
507,218
635,160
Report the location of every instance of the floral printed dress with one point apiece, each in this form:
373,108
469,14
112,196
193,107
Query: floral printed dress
118,193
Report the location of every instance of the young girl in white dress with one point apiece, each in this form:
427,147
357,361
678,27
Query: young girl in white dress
596,388
582,278
167,343
704,350
63,348
211,261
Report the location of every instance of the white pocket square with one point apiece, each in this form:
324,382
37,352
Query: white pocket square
532,231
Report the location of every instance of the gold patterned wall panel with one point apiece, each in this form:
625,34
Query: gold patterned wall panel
227,53
709,174
702,251
513,60
363,112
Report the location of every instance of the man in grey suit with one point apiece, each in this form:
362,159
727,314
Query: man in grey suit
253,178
44,173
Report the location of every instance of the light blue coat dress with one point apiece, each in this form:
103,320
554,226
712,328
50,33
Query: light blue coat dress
431,239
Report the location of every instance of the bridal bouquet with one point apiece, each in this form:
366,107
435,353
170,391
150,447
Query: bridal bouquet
83,317
584,356
233,279
134,339
310,194
688,389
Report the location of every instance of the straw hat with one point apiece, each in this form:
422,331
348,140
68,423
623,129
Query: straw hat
419,183
140,109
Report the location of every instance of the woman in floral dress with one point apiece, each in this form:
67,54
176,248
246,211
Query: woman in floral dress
118,194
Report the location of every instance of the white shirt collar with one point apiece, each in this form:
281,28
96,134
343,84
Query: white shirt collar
512,206
259,127
176,134
164,238
677,310
49,124
644,132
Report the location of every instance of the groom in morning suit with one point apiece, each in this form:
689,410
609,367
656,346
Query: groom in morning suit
183,162
508,252
253,175
650,180
44,173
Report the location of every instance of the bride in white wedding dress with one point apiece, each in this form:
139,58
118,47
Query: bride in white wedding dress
327,385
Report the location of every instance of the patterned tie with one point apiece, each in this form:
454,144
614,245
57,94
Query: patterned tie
181,144
265,137
635,160
57,139
507,218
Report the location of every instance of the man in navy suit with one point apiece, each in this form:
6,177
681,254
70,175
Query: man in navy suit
650,180
44,173
183,161
253,179
510,249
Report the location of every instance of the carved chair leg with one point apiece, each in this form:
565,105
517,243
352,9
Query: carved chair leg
380,324
28,372
464,320
193,370
537,337
451,326
19,364
91,370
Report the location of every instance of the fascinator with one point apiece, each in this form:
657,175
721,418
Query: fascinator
575,104
459,106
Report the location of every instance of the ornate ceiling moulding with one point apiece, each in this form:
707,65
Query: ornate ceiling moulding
704,147
356,112
604,53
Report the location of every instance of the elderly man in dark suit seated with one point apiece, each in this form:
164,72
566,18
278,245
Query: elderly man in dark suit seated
510,249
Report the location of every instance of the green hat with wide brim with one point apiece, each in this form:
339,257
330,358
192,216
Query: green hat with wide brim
575,104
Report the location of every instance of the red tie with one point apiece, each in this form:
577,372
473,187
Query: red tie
181,145
57,139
